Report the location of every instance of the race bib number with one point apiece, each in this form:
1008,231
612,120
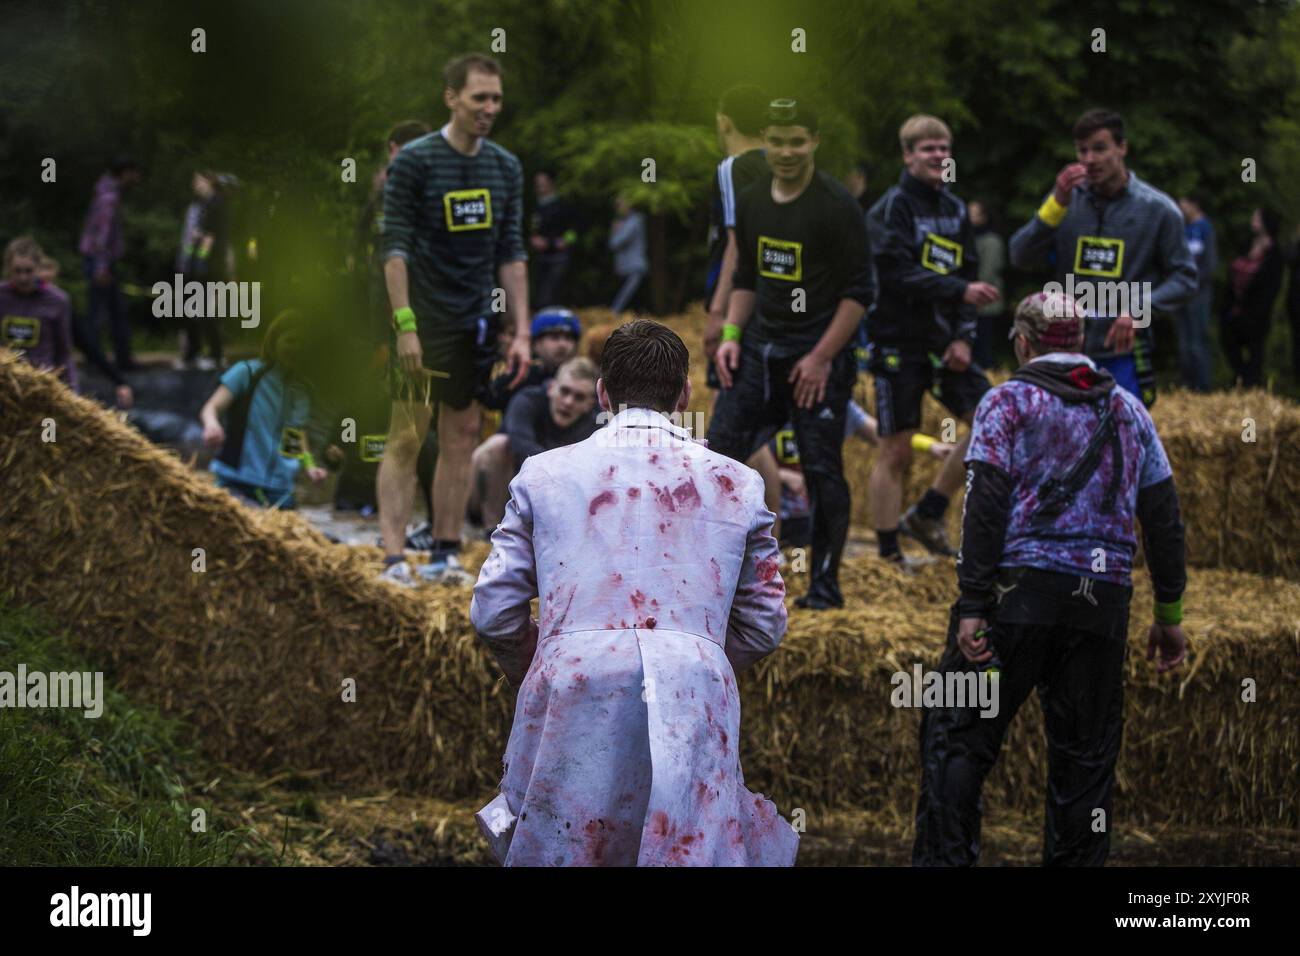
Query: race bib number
940,255
468,209
372,447
20,331
293,443
779,259
787,449
1095,256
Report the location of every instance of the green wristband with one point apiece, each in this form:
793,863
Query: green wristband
307,460
404,319
1170,612
731,333
203,253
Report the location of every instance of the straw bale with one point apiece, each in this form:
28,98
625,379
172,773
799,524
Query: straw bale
98,529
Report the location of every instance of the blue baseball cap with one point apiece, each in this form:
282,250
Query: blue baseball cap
556,320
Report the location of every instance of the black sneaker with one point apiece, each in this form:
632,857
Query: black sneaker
820,597
929,531
420,538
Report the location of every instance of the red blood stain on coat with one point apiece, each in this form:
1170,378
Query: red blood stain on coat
663,497
660,825
634,492
555,629
687,495
597,837
717,575
609,472
725,482
767,569
602,499
650,623
654,459
638,599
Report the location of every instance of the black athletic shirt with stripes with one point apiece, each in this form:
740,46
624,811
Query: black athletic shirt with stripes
454,219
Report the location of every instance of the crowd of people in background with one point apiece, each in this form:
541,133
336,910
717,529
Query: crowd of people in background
554,400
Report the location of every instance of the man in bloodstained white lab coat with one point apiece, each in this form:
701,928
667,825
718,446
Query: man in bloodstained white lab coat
656,570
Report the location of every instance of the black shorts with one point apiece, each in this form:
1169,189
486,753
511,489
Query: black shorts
761,402
461,361
904,375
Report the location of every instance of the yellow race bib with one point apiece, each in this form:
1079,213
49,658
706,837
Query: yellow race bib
468,209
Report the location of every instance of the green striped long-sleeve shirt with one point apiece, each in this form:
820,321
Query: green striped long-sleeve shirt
454,219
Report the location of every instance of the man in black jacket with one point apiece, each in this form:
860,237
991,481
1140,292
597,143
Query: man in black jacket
1061,461
922,329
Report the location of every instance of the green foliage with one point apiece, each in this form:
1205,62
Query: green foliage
606,160
287,90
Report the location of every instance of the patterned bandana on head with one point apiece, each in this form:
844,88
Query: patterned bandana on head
1052,322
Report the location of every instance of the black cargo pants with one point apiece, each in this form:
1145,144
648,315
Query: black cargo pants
1068,637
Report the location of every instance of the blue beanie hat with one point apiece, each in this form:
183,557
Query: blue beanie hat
555,319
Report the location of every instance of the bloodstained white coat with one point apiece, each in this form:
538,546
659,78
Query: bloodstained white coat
657,574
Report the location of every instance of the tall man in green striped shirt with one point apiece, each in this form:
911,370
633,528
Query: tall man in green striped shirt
453,207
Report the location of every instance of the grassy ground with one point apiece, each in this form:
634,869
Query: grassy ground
117,790
120,790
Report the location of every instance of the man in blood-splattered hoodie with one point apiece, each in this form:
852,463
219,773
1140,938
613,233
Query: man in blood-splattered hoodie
1061,461
656,572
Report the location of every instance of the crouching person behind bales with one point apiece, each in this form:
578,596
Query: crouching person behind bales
656,575
1060,463
266,403
540,417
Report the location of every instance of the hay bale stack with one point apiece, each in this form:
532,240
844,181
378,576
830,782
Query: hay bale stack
1240,497
98,529
819,729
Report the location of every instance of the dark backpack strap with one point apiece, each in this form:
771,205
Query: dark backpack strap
232,449
1055,494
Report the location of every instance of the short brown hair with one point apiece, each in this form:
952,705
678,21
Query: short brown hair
407,130
645,365
922,126
456,73
1094,120
24,246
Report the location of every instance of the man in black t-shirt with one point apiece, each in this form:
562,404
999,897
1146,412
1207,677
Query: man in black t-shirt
804,274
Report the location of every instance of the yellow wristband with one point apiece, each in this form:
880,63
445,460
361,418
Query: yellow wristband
1052,212
921,442
404,319
731,333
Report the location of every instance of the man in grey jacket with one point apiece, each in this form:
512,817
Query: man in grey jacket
1119,248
